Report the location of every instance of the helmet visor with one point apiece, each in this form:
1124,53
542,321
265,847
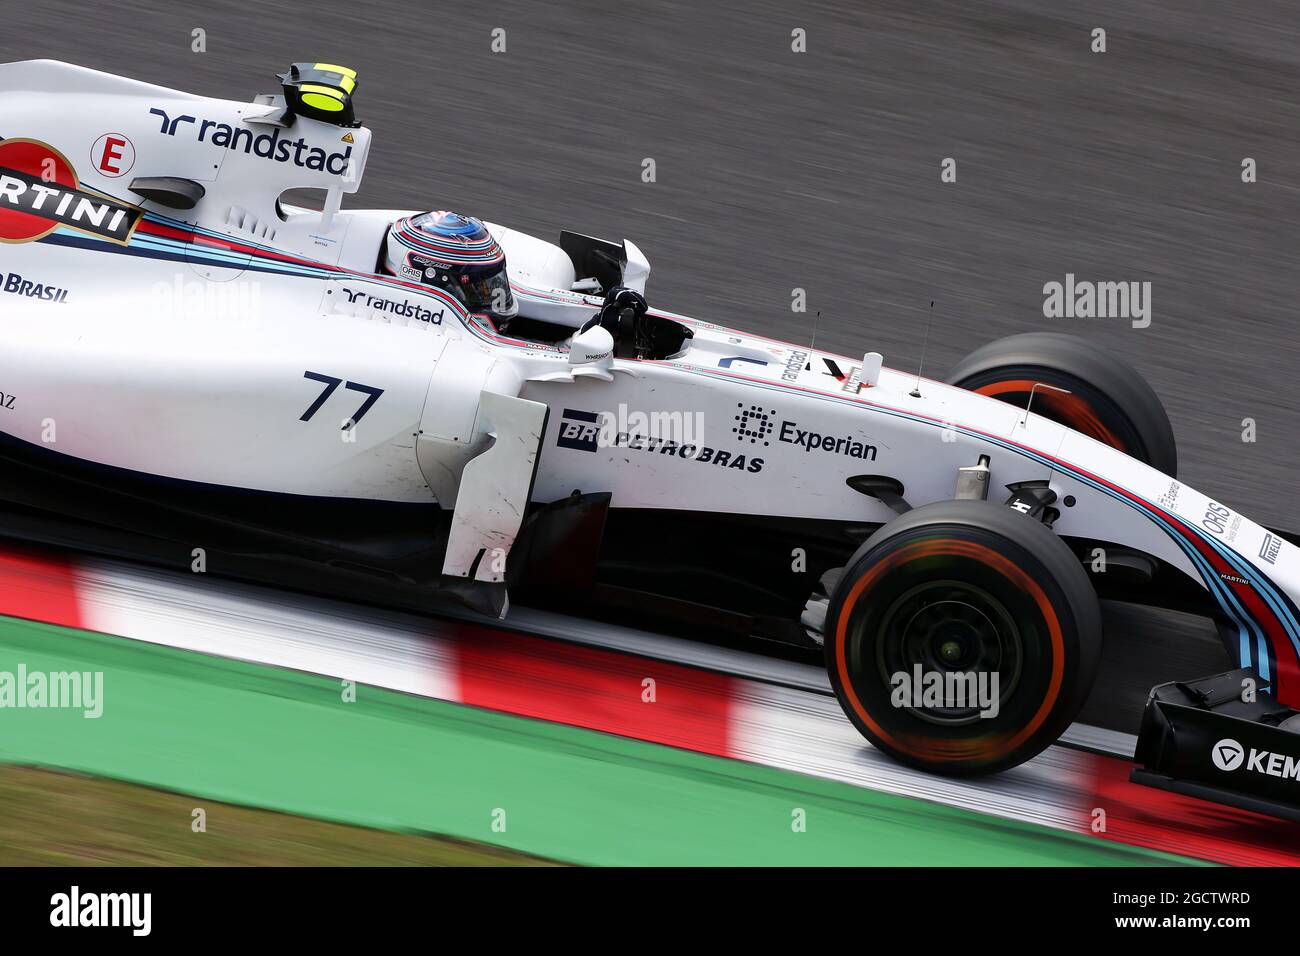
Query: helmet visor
490,293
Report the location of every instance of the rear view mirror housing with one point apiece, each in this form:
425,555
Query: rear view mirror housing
592,346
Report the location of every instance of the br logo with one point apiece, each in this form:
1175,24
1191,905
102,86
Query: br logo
754,423
1227,754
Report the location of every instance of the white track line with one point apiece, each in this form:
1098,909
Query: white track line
782,715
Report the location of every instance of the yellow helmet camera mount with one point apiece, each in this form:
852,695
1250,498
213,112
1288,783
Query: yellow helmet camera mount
320,91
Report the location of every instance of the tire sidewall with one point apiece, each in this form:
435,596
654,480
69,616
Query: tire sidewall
1018,561
1111,387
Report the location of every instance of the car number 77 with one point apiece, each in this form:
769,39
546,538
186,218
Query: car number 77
331,383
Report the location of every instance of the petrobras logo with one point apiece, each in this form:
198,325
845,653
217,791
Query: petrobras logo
578,430
39,192
274,144
703,454
1229,755
398,308
15,284
671,434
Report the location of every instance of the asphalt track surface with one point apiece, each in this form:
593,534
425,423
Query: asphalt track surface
821,170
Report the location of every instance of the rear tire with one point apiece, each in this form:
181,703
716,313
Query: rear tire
963,587
1109,400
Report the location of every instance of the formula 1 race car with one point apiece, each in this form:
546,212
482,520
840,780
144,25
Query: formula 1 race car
197,368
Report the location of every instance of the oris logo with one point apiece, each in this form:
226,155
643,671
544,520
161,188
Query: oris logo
1216,518
1227,754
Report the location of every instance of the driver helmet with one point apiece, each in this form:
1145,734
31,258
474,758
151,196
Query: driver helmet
456,254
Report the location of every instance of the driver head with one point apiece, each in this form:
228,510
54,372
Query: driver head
456,254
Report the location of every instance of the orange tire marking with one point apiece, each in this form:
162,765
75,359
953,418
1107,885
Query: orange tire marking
952,750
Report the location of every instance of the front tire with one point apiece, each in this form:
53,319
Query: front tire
1108,399
963,588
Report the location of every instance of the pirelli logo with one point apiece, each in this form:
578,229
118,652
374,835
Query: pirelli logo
39,192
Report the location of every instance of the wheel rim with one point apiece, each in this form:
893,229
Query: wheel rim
950,627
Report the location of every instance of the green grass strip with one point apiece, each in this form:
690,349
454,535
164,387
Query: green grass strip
281,740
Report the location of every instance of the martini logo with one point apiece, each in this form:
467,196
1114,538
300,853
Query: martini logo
39,192
1227,754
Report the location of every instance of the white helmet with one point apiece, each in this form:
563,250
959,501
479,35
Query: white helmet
456,254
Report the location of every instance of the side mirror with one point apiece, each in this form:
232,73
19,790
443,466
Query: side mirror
595,345
636,267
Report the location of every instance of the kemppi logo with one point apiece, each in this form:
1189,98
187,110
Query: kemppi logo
1229,755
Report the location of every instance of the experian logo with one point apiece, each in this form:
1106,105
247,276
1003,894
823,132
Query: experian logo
1229,755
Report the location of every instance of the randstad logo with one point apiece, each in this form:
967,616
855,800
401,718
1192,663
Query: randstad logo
267,145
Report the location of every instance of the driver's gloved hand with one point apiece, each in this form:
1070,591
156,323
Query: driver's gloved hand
620,297
621,302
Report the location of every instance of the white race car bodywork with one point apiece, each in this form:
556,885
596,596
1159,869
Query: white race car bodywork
253,346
